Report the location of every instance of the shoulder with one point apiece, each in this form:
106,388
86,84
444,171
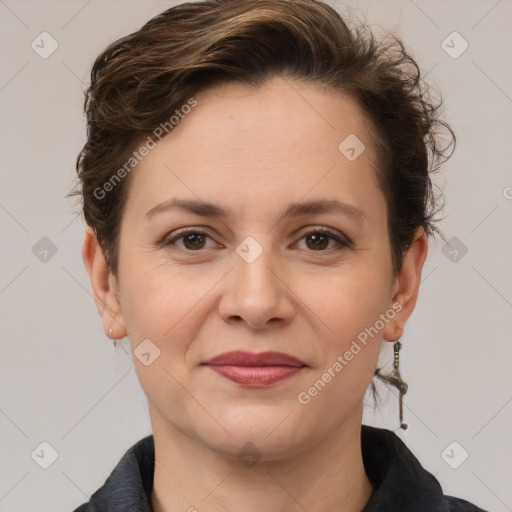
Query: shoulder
400,481
452,504
129,485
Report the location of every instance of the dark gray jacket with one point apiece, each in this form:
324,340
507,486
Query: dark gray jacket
401,484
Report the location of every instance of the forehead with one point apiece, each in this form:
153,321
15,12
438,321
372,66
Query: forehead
276,115
283,137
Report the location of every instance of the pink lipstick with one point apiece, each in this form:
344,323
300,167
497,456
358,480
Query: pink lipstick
255,370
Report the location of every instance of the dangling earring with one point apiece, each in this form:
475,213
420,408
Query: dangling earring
400,384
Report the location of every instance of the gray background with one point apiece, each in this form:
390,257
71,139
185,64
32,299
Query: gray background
60,380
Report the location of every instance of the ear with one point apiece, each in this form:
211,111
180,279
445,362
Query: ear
406,286
104,286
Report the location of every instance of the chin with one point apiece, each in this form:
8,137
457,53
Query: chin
250,450
259,432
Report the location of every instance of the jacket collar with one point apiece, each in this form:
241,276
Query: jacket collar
400,482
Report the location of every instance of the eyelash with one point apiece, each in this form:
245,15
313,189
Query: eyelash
342,243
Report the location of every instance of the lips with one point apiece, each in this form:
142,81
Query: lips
249,359
256,370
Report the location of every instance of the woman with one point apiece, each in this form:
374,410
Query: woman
256,184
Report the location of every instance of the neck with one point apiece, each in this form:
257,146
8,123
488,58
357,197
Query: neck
190,476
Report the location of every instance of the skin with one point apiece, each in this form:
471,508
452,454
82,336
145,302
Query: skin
254,152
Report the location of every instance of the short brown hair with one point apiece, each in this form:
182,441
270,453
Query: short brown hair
140,80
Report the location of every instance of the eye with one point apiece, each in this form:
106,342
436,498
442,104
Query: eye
318,239
193,240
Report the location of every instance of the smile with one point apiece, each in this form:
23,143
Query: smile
256,370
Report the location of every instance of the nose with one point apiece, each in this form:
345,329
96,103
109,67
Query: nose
257,293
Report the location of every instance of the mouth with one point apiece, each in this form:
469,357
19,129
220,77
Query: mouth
256,370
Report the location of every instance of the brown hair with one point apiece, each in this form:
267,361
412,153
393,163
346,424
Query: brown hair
140,80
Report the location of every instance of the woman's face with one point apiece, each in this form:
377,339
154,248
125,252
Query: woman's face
266,276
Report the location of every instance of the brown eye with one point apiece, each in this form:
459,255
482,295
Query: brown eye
318,241
194,241
191,240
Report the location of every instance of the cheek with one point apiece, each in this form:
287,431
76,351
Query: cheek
169,308
350,299
348,353
162,306
350,306
158,300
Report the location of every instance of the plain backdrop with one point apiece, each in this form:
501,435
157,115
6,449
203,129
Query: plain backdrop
61,382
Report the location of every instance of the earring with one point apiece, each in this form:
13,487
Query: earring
400,384
115,340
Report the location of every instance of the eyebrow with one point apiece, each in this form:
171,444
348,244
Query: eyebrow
206,209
